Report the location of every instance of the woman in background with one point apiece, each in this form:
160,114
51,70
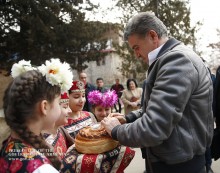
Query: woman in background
131,97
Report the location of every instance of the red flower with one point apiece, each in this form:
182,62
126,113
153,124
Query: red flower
4,165
9,147
33,165
15,166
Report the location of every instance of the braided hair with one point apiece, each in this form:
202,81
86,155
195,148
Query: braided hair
19,104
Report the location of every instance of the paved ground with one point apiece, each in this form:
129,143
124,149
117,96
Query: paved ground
137,164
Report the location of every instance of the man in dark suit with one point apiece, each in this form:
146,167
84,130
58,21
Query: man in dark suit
118,89
88,87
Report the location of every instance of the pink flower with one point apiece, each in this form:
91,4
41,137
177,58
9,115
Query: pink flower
15,166
107,99
95,97
33,165
4,165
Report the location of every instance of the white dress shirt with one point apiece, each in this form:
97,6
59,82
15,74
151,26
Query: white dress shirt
153,54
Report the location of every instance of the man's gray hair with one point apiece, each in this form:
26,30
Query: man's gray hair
144,22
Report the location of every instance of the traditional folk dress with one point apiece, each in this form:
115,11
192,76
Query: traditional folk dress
18,156
85,119
74,125
114,161
57,142
60,141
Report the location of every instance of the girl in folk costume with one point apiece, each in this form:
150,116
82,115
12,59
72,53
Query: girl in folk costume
102,103
57,137
78,118
113,161
31,104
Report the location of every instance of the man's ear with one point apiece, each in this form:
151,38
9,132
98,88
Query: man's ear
153,35
44,107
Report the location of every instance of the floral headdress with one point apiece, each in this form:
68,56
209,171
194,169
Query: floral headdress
21,67
107,99
57,73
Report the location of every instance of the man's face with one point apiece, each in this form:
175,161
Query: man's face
83,78
141,45
100,83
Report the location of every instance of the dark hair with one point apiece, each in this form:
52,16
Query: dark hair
19,104
128,82
100,78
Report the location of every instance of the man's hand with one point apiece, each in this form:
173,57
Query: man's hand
109,123
119,116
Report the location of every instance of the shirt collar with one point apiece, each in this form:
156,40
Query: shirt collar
152,56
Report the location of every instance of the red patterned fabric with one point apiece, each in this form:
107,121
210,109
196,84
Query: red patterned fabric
114,161
77,86
64,98
74,125
18,156
60,147
58,143
88,162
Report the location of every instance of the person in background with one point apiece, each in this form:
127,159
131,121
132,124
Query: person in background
175,123
131,97
78,118
31,104
215,149
118,89
58,138
100,85
88,87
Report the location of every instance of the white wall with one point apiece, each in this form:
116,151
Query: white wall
108,72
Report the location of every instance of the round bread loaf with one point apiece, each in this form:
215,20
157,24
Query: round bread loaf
94,140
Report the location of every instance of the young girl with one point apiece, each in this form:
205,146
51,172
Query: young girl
102,103
114,161
58,138
78,118
31,104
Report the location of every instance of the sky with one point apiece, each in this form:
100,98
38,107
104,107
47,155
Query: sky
206,11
